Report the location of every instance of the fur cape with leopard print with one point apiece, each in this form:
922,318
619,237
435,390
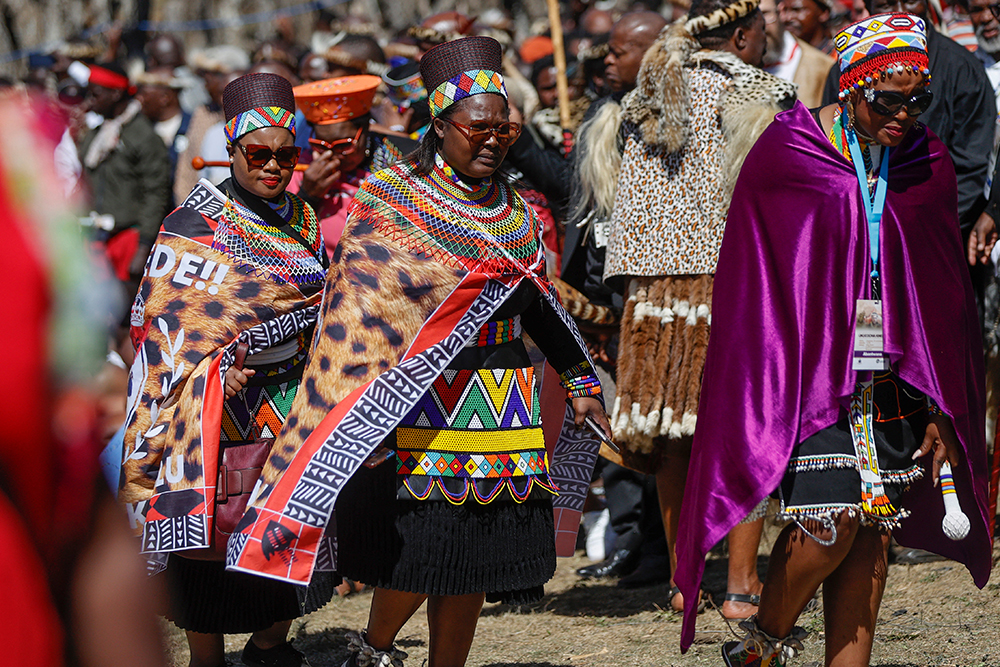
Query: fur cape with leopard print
660,105
690,122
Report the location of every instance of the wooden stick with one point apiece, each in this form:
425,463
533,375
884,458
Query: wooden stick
559,54
200,163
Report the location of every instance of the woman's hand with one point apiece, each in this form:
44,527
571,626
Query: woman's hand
236,379
378,457
322,173
591,407
393,118
941,439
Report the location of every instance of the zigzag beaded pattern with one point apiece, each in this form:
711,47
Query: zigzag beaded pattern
466,84
255,119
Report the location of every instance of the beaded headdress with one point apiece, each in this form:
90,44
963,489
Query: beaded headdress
336,100
258,100
699,24
405,85
455,70
884,44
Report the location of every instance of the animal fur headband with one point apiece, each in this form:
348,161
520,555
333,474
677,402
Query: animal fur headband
721,17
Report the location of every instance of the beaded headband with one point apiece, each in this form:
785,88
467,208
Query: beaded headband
255,119
884,44
720,17
466,84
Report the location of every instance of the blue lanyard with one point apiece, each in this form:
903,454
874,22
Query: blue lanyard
873,209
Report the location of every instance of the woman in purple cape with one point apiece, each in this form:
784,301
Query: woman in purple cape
850,454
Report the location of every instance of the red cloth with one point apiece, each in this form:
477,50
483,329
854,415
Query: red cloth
120,249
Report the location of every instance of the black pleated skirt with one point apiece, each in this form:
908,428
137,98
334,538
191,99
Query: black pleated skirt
504,549
204,597
823,477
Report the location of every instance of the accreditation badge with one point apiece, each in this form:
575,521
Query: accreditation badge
869,345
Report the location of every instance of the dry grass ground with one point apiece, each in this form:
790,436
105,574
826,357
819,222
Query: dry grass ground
932,615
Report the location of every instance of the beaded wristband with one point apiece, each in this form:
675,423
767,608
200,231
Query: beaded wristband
580,381
933,409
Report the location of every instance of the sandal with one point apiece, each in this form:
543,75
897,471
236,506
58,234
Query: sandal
348,587
759,649
675,591
743,598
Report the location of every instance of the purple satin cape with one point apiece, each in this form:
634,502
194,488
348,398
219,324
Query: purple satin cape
794,259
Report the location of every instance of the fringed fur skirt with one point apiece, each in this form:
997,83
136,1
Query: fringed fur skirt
664,336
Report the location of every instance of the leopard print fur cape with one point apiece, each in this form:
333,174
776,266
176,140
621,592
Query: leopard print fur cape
194,305
660,104
394,314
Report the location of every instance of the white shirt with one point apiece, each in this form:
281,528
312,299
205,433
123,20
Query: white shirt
167,129
788,60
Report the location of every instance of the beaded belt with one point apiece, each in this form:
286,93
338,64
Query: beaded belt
497,332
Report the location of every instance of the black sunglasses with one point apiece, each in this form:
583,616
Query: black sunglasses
258,156
889,102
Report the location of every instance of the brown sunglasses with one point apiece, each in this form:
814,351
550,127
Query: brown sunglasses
479,133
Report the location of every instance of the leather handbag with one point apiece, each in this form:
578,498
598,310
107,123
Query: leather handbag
240,465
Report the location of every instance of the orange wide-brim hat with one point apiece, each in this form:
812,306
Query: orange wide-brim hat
336,100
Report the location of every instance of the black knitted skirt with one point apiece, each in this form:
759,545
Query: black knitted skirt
505,549
204,597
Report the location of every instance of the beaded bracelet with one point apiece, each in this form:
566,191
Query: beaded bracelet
580,381
933,409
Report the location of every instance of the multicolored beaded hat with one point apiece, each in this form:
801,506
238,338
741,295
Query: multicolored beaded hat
258,100
336,100
884,44
405,85
455,70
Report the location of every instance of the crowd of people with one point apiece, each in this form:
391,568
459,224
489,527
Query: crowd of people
383,310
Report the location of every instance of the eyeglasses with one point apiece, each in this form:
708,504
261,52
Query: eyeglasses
478,134
888,102
258,156
992,9
342,146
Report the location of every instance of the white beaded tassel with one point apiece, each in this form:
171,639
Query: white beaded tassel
955,524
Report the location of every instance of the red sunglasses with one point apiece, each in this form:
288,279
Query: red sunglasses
258,156
342,146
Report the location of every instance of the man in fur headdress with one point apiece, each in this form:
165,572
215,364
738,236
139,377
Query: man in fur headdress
699,105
